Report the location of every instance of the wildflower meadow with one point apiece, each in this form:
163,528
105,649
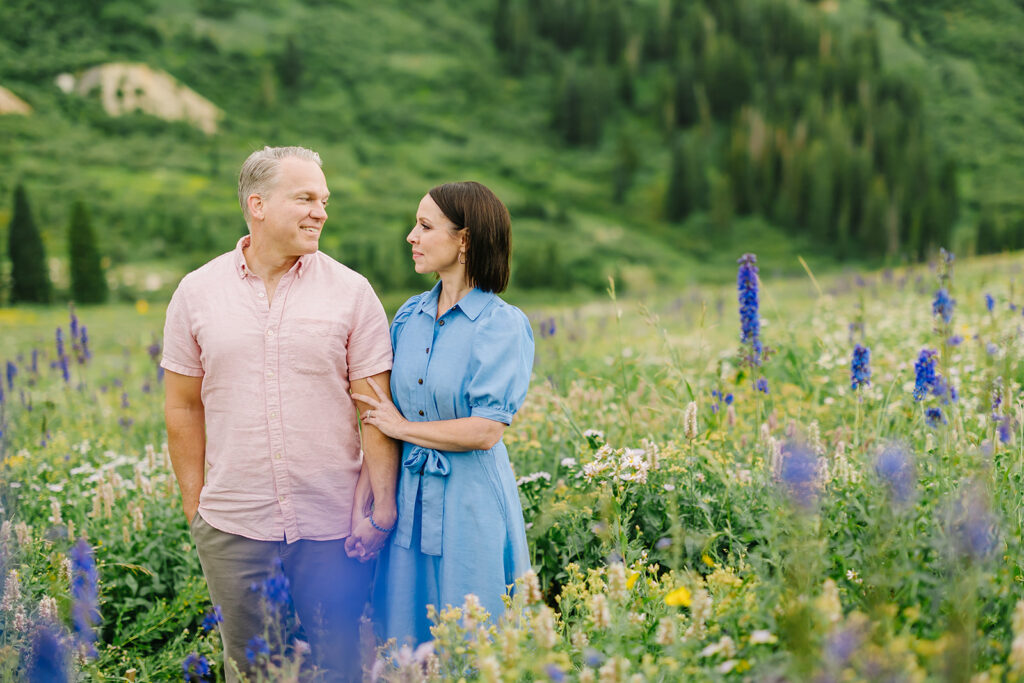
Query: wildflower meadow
786,479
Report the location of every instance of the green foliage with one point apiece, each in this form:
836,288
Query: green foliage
88,281
30,278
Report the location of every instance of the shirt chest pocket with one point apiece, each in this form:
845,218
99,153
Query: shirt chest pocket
315,346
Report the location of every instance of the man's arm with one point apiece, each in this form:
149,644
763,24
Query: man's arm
380,466
186,436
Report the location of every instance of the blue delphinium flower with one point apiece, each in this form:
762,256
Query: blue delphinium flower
195,668
212,618
973,526
860,366
750,323
86,353
762,385
49,658
895,468
85,612
799,474
934,417
990,303
955,340
924,372
12,372
1003,428
555,673
256,648
943,305
275,589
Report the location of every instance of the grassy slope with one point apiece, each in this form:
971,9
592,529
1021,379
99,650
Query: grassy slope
398,98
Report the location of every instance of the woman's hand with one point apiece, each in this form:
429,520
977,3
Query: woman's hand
382,413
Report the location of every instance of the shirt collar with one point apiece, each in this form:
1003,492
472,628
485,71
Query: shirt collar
471,305
242,268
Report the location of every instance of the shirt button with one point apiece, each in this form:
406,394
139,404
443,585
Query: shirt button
277,456
428,349
262,294
270,373
421,413
280,499
419,381
273,415
270,332
441,323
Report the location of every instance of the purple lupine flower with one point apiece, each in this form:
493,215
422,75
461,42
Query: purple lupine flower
124,400
153,350
895,468
35,361
74,322
799,474
85,612
990,303
257,647
48,659
943,305
860,367
547,327
60,343
555,673
934,417
750,323
195,668
12,372
955,340
212,618
991,349
65,371
924,372
762,385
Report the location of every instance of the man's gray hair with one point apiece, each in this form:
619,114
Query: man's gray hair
259,172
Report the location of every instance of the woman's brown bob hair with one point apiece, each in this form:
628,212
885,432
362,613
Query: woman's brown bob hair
473,207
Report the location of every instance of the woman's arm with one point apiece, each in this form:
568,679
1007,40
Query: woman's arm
461,434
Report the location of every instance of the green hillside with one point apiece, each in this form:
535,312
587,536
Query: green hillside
571,129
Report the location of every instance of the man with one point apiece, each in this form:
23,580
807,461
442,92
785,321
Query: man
262,347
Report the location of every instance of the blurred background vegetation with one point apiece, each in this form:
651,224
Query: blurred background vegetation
650,140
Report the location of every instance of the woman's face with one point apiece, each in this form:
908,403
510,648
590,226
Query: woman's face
435,241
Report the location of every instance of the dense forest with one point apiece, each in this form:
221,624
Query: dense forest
645,139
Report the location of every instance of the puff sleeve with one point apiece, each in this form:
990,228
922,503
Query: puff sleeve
403,313
500,364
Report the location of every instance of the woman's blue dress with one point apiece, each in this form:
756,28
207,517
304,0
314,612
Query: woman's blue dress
460,523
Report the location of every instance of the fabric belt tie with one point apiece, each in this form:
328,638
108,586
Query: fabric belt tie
430,468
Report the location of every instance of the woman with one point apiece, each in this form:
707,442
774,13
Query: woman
462,366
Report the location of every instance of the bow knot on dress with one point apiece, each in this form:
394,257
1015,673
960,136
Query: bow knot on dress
432,466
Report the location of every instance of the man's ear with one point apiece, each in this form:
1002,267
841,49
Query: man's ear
255,203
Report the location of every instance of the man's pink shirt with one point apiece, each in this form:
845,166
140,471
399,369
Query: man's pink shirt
282,442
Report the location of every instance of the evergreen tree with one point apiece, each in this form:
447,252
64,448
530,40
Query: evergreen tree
30,280
677,200
289,66
987,241
88,283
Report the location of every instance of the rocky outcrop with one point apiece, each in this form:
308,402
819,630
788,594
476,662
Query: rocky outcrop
125,88
12,104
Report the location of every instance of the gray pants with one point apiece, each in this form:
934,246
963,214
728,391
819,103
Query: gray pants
328,589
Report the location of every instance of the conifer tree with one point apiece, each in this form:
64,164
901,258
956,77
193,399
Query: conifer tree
677,200
88,283
30,280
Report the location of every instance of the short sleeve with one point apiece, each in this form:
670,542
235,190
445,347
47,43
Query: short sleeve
181,350
369,347
500,364
401,316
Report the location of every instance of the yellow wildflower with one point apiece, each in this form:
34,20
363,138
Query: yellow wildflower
680,597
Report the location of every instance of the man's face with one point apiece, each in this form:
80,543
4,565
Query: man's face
294,210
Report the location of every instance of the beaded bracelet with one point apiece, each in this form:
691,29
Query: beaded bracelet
379,528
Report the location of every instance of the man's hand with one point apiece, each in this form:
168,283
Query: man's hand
365,542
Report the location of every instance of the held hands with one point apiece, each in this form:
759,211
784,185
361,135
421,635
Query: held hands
367,537
382,413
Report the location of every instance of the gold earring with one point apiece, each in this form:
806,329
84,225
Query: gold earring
462,258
